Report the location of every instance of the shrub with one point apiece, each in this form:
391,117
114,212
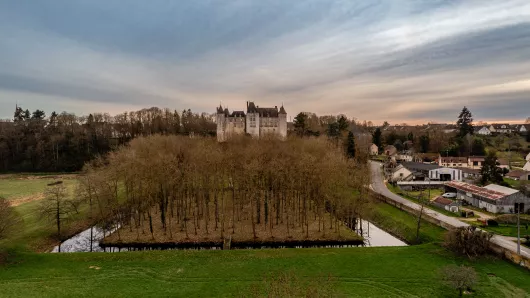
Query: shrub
492,223
468,241
459,277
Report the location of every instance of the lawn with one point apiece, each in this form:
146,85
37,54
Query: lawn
357,272
19,187
512,183
26,191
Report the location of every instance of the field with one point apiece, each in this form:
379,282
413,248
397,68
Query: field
25,191
367,272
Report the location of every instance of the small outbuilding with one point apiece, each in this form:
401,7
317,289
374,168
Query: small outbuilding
446,204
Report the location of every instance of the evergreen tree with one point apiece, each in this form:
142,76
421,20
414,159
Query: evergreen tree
38,115
410,136
300,124
490,169
350,147
376,138
528,136
424,143
342,123
478,147
465,123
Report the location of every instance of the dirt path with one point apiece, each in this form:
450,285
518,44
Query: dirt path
27,199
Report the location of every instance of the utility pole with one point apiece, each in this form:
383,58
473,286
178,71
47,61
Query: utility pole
518,229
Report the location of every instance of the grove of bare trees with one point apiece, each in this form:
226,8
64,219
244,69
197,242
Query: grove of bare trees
172,188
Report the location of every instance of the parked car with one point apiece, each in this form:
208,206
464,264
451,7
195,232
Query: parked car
449,195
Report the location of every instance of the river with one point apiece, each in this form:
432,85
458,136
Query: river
88,240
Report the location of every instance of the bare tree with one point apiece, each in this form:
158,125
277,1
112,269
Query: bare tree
468,241
460,278
56,207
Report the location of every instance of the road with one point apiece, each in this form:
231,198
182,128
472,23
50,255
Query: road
379,186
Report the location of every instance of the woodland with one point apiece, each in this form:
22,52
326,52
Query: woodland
175,189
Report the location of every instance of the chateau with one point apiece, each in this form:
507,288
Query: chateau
256,122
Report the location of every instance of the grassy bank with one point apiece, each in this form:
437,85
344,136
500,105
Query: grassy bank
373,272
403,225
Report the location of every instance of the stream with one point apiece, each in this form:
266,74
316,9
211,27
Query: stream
88,240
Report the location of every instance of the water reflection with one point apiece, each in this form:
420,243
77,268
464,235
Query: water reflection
376,237
87,241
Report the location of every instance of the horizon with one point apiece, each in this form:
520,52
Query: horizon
392,61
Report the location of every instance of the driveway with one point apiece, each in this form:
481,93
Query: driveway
379,186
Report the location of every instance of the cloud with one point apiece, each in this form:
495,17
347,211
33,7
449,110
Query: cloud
379,60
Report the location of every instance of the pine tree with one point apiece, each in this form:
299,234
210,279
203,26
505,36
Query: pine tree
490,170
350,147
465,123
410,136
300,124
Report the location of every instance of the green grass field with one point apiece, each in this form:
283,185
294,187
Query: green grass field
34,232
361,272
13,187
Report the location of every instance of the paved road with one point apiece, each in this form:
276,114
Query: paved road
379,186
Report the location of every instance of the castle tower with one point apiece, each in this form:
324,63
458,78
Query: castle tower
282,122
221,124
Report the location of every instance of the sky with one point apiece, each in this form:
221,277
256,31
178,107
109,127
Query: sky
404,61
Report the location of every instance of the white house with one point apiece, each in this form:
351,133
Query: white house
401,173
500,128
374,150
482,130
528,157
527,166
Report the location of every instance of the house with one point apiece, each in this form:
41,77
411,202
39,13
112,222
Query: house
400,173
425,157
518,175
475,162
528,157
405,156
454,162
492,198
482,130
446,204
527,166
500,128
433,172
522,128
390,150
503,163
374,150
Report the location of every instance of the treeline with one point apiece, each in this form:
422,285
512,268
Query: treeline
65,142
175,187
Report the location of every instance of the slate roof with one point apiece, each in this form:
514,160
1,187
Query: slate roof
263,112
420,166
